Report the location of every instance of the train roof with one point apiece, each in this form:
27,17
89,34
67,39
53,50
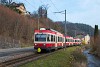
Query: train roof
44,31
69,37
48,31
77,38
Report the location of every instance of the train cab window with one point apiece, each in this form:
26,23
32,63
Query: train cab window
48,37
75,40
51,37
54,38
62,39
69,40
58,39
40,37
66,40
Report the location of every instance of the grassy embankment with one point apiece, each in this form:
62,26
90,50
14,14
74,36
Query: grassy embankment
70,57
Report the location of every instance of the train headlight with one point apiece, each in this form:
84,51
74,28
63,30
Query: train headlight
44,44
35,44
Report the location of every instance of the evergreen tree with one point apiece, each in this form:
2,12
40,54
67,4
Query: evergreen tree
94,44
96,32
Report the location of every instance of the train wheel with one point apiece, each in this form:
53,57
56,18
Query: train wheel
49,50
56,48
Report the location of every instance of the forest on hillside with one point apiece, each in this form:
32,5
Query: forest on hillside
74,29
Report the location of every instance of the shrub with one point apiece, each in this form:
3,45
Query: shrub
78,55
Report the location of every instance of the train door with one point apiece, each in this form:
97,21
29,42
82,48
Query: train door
56,39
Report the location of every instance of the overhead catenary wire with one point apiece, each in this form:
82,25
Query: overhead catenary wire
61,12
50,10
54,5
43,3
30,4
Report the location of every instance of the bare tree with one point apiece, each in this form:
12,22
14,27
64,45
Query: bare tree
6,2
42,11
9,2
3,2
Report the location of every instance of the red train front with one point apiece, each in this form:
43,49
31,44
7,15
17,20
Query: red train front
48,39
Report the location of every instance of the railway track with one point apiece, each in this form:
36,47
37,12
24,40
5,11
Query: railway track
19,61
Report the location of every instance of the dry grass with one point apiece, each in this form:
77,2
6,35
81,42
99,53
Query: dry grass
18,27
80,64
80,59
95,47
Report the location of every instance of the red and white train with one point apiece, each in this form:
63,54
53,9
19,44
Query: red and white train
50,39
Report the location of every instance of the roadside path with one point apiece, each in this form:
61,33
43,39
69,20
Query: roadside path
7,52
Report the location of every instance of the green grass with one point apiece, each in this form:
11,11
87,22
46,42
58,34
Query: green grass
62,58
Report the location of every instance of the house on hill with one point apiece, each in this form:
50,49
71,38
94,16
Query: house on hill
20,8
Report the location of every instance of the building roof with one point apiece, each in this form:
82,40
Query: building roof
17,4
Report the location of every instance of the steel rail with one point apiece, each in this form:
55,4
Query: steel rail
23,60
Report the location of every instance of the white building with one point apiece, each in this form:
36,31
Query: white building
86,39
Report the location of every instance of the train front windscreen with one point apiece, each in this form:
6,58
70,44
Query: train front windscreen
40,37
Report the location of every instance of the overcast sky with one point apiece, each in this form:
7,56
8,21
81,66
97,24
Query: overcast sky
78,11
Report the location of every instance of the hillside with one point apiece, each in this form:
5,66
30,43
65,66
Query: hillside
74,29
16,28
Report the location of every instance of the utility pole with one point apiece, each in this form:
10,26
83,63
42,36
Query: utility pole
75,33
65,28
64,12
38,22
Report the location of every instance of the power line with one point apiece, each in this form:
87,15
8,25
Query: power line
42,3
30,4
50,10
54,5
